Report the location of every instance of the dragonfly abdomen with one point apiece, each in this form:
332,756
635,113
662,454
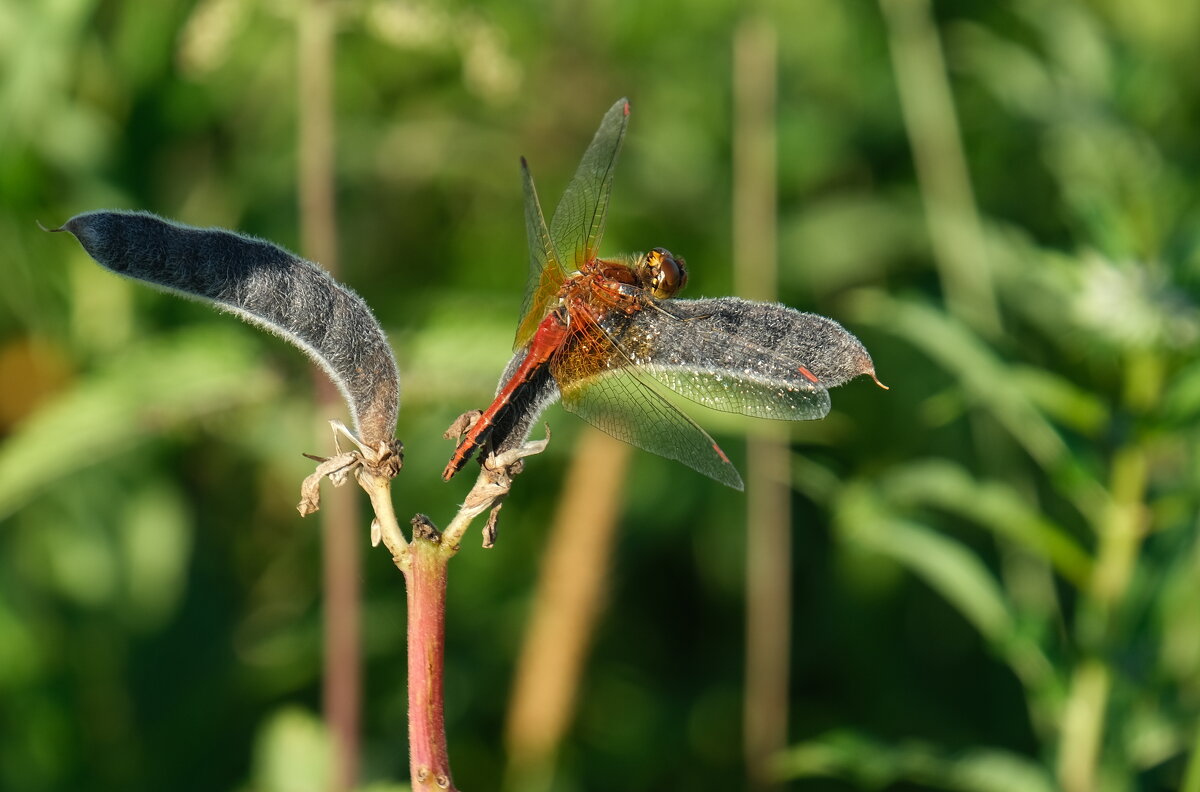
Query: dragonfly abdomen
546,341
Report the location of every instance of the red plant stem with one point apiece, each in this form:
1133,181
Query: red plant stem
425,576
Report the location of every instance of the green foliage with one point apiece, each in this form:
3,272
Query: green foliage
293,754
996,561
875,765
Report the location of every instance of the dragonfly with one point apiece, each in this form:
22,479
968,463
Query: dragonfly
609,337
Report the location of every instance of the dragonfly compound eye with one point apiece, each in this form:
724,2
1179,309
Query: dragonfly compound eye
666,273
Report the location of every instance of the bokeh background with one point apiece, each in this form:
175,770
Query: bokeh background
995,570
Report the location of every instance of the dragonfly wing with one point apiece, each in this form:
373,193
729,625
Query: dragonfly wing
758,359
546,272
578,221
613,399
616,403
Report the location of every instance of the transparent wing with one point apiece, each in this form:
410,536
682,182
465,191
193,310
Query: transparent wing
614,401
578,222
546,272
724,355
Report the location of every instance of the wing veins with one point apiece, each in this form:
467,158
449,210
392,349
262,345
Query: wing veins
716,368
675,435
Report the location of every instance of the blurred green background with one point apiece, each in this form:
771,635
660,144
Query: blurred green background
997,575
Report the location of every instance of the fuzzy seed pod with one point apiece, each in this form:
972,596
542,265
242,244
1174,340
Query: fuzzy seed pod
265,285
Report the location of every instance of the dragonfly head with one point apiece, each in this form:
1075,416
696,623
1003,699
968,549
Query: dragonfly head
664,275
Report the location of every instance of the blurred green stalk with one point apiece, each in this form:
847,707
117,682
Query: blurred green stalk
1119,541
340,516
960,254
927,105
768,461
567,605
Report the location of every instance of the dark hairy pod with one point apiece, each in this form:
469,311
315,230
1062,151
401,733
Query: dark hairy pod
769,335
762,359
265,285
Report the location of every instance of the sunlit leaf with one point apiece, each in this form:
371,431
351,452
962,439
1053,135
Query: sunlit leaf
1181,399
874,764
1062,400
292,754
829,253
154,386
1014,74
945,564
155,544
975,365
994,506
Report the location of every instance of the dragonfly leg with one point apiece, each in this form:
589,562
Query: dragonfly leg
658,306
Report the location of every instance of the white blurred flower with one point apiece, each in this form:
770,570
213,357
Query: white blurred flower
1130,304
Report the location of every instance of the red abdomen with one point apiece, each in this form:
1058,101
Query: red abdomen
545,342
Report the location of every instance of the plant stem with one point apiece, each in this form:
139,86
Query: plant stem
425,577
341,628
379,489
1120,538
1083,726
568,602
927,104
768,459
341,556
1120,533
423,562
